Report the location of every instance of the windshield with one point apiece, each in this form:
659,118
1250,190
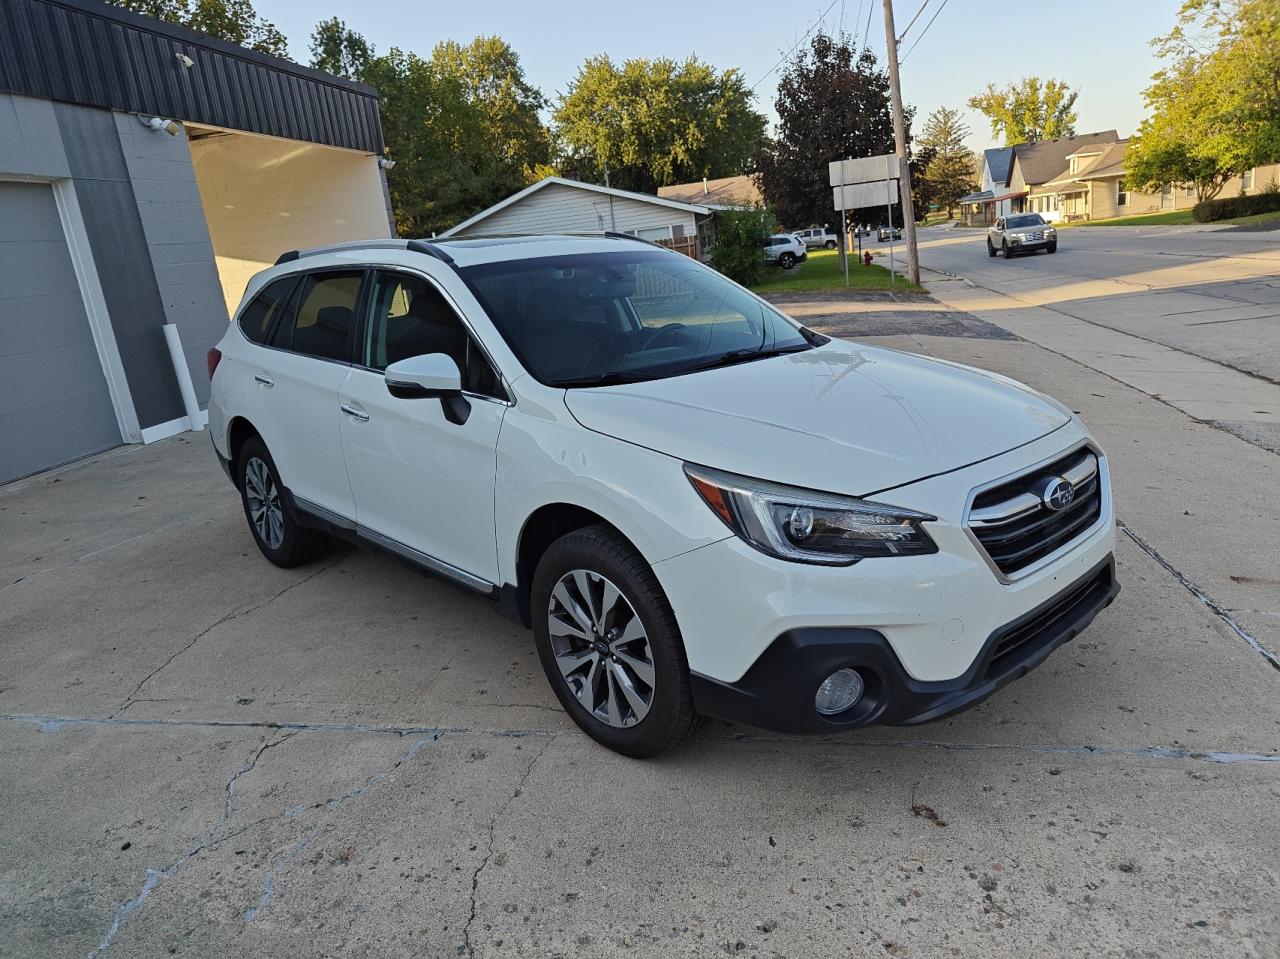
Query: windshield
1029,219
599,318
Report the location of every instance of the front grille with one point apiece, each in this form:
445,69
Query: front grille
1022,640
1035,237
1017,529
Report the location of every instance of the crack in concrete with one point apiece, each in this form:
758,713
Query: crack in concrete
236,614
328,806
1217,609
207,841
467,948
52,724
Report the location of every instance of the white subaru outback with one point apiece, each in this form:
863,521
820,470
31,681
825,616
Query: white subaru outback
701,507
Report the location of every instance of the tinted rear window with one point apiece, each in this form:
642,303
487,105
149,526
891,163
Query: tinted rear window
258,316
321,324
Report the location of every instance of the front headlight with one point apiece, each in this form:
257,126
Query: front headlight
806,526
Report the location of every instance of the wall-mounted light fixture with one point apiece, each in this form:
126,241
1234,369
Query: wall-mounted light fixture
385,163
185,60
156,124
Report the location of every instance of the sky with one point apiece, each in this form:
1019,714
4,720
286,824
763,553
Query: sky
1100,47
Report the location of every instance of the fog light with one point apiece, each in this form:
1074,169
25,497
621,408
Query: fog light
838,692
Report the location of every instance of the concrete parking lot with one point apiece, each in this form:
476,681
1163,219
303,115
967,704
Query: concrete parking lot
206,755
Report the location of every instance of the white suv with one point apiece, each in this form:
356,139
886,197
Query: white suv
785,250
700,506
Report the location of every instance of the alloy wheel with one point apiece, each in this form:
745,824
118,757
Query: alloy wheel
601,648
265,509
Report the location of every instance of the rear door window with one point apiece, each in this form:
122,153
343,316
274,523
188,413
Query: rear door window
266,308
322,324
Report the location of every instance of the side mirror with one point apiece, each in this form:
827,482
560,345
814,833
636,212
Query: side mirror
430,376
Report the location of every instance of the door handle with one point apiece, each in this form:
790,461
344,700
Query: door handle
265,380
354,412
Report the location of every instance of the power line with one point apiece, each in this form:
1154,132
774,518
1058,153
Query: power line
802,39
923,32
904,33
866,39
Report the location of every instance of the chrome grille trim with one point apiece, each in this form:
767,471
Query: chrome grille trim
1001,524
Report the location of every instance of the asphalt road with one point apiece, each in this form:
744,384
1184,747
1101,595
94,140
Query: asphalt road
1209,291
208,756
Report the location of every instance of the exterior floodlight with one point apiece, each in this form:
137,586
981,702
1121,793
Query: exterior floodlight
156,124
185,60
385,163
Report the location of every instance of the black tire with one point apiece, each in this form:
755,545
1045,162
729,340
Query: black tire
1052,247
603,551
1004,249
298,544
829,245
787,261
991,250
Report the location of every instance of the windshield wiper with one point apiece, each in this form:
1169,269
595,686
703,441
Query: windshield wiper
734,357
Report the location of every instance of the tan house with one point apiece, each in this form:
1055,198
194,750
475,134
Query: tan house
1092,186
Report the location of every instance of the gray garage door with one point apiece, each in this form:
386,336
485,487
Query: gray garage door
54,404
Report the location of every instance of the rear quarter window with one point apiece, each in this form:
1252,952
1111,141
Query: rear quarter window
262,312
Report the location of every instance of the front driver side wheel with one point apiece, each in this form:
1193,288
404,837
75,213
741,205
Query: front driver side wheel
991,250
1004,249
609,643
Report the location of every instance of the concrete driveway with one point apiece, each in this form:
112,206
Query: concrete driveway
207,756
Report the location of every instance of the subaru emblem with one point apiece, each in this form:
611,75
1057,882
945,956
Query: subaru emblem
1057,493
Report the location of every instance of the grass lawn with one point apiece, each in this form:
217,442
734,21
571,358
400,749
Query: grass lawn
822,272
1171,218
1271,216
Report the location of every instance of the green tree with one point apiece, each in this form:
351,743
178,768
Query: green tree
491,73
832,103
1029,110
657,122
233,20
1214,107
338,50
462,127
949,172
739,243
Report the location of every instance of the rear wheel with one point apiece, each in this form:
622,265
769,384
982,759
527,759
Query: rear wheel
787,261
829,245
609,643
274,528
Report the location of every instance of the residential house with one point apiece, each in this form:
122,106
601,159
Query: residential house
992,198
558,205
725,193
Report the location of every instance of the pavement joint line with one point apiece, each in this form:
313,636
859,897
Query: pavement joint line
235,614
52,724
1216,608
466,948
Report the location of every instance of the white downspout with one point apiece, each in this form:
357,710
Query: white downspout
185,386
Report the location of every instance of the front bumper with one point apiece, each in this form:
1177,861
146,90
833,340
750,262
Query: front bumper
778,691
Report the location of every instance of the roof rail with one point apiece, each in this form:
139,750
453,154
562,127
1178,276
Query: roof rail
413,246
614,235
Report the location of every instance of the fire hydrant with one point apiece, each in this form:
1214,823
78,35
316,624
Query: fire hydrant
866,258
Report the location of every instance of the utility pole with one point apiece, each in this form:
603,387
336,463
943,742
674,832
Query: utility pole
900,140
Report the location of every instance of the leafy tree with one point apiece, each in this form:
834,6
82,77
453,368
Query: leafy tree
1029,110
924,191
338,50
657,122
1215,105
832,103
738,250
462,127
491,72
948,174
233,20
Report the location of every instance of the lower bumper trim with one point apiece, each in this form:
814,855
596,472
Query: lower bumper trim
777,692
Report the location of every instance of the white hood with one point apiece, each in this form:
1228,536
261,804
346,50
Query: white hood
840,418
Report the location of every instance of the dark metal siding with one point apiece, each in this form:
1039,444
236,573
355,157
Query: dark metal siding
91,53
119,246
